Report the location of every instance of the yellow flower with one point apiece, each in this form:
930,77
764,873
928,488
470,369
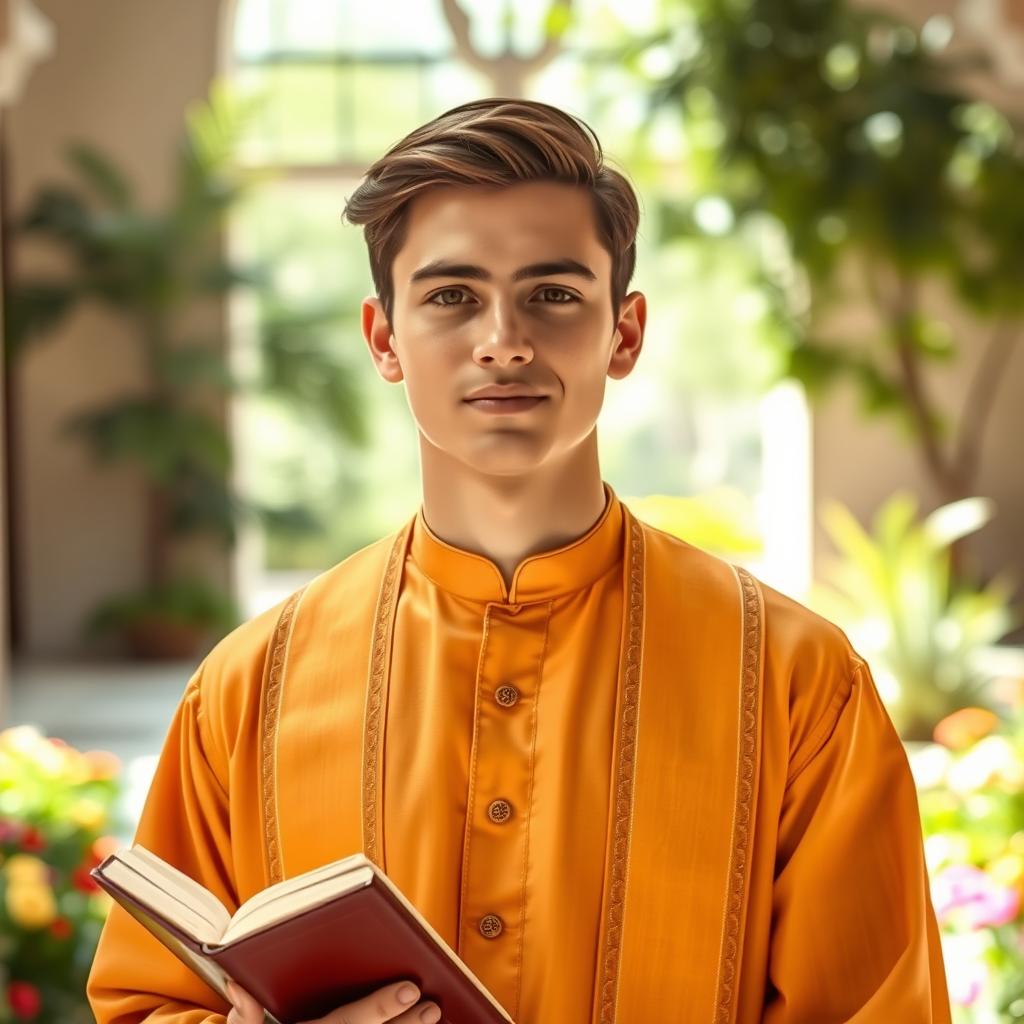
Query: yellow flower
77,768
1007,869
87,814
24,868
31,904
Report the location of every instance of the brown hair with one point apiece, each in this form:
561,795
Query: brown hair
496,142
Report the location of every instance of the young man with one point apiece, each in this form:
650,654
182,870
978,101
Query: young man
622,779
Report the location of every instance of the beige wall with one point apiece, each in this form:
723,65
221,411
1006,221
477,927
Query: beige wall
121,77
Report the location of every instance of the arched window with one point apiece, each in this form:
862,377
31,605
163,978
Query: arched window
341,82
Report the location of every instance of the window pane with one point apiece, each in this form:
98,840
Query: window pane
298,118
313,27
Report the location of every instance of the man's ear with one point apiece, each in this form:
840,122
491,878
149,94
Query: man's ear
380,340
629,335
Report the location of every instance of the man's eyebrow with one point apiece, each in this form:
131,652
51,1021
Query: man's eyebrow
440,268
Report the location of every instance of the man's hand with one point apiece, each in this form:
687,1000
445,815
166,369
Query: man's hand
395,1002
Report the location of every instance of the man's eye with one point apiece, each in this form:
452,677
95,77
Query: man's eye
458,293
557,296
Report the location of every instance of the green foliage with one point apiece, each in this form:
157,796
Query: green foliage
187,602
925,633
846,129
57,810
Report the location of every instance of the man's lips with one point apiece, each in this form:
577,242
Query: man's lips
505,405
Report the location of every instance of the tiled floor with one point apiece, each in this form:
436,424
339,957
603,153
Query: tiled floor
123,708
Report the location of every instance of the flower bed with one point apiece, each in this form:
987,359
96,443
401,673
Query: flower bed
56,808
971,793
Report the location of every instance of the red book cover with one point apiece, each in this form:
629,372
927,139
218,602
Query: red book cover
309,963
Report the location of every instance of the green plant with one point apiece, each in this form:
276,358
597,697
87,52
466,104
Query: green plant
186,602
838,140
155,270
927,635
56,812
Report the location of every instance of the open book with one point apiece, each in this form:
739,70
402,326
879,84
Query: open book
304,946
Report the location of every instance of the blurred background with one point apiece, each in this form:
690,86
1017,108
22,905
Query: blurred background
832,389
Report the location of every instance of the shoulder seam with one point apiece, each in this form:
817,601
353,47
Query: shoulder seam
822,730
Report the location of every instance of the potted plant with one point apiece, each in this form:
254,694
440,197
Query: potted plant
152,268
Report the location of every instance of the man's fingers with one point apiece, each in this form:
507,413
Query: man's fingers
386,1004
246,1009
399,1002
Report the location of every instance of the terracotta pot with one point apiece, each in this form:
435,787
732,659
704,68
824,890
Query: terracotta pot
158,639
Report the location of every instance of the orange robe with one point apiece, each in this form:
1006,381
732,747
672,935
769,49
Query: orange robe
635,786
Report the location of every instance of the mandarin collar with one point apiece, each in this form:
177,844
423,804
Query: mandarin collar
539,577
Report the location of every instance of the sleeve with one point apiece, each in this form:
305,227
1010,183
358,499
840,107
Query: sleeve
854,938
185,821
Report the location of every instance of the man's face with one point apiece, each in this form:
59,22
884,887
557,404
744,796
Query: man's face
506,286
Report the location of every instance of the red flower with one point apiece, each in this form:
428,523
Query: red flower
24,999
61,928
83,881
33,840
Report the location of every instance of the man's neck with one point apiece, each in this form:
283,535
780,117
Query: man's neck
508,519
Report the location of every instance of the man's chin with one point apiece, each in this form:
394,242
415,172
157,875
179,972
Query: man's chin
510,463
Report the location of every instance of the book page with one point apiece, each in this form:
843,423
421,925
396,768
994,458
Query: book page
330,870
288,904
189,918
175,881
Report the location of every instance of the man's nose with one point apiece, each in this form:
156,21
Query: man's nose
504,339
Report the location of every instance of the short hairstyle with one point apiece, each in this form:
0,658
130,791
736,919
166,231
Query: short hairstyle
493,142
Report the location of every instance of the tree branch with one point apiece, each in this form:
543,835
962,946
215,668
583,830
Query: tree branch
507,71
902,310
981,398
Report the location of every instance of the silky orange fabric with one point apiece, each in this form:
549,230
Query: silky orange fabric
499,728
453,749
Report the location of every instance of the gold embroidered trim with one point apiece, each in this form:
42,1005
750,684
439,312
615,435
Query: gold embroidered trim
379,663
623,806
750,675
270,716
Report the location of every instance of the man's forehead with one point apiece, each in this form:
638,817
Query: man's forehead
527,223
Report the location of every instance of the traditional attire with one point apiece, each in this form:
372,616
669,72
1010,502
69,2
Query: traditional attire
637,785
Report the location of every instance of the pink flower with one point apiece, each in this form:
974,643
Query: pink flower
11,831
965,893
